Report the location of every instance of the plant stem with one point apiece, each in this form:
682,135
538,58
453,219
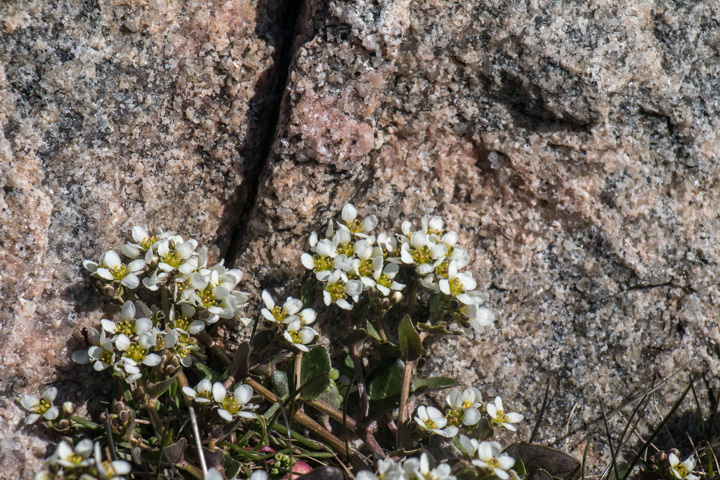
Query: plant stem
360,375
381,328
298,369
205,338
403,414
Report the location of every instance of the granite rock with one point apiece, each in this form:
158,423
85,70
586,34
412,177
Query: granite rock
113,114
574,148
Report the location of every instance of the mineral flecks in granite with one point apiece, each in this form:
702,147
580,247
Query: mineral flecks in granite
574,147
112,114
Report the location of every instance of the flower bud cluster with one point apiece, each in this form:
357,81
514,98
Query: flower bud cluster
290,321
228,405
83,461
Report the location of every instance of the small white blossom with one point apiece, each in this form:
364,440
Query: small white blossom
41,407
339,288
432,419
202,393
488,456
419,469
355,226
458,284
111,268
499,417
682,470
464,407
72,458
299,336
276,313
235,404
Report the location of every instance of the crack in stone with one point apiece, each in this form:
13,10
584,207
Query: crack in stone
290,13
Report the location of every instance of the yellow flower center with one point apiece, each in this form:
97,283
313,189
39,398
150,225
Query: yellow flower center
207,297
453,417
119,272
231,404
75,458
366,268
355,226
456,286
147,242
172,258
346,249
135,352
682,471
322,263
501,417
443,269
430,424
336,291
295,337
385,280
182,322
421,255
125,327
279,313
106,357
42,406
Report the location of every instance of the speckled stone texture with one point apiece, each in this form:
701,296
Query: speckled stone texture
574,147
113,113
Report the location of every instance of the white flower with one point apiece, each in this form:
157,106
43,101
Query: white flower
184,320
127,325
385,277
420,251
299,336
322,262
68,457
355,226
102,354
338,288
682,470
111,268
42,406
488,456
307,317
202,393
499,417
276,313
173,253
135,353
464,407
419,469
432,419
235,404
387,468
458,284
110,470
143,242
479,317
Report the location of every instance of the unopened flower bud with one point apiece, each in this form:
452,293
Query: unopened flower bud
118,406
68,408
396,298
62,425
124,416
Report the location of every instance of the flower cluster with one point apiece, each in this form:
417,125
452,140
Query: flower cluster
488,457
464,412
350,260
83,461
228,405
168,261
410,469
128,345
290,321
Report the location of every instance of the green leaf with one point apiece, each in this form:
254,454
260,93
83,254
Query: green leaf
163,386
355,336
409,340
232,466
332,396
315,366
385,380
424,385
280,383
205,370
388,351
372,331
